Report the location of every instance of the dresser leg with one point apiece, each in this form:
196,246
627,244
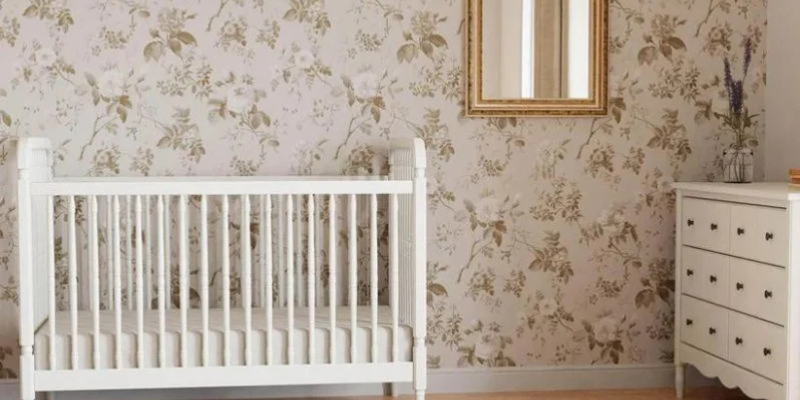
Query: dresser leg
680,372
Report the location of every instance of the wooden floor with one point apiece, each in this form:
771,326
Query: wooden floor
650,394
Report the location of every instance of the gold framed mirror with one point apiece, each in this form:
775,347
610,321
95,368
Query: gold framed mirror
537,58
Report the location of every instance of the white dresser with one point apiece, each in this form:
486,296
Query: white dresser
737,303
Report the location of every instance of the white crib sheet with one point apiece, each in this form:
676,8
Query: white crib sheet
342,334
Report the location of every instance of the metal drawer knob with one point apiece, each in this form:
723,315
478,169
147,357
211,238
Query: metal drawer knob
712,331
769,236
689,322
767,294
739,341
767,352
690,222
689,272
739,286
740,231
714,227
712,278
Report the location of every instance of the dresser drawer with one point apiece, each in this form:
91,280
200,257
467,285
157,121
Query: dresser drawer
704,326
705,275
758,346
759,290
706,224
773,229
759,233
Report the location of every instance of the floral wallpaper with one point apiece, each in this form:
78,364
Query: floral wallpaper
551,240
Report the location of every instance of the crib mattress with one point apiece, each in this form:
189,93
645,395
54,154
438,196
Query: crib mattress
342,334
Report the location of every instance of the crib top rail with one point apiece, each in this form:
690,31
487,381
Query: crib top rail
220,186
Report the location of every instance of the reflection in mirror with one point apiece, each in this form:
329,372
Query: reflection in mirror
537,49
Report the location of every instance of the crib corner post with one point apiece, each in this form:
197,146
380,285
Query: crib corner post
33,165
408,162
420,265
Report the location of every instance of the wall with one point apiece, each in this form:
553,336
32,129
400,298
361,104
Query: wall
782,150
551,239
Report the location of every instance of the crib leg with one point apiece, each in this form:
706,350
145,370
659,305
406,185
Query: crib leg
27,389
420,367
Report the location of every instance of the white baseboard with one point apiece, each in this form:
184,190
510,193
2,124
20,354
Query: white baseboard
440,381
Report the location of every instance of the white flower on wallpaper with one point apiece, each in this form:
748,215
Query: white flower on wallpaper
548,307
366,84
488,209
240,98
304,59
552,235
112,82
46,57
606,330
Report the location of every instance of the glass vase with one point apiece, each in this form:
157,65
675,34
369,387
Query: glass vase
738,165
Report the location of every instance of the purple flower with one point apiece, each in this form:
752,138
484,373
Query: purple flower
735,88
748,55
737,99
729,82
728,76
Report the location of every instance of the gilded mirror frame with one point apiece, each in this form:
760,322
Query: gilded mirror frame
477,106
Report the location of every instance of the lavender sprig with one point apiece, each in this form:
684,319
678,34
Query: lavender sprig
748,55
729,82
738,119
737,99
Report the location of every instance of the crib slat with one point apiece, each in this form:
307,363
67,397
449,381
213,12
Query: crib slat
167,252
128,254
162,322
298,251
226,281
332,274
312,280
247,296
320,245
109,254
373,230
184,277
290,276
117,287
267,226
94,256
281,252
148,255
51,275
139,284
73,280
353,266
204,273
394,274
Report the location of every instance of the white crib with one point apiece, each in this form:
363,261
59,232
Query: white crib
144,283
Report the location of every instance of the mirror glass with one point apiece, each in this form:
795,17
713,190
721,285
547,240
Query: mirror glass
537,49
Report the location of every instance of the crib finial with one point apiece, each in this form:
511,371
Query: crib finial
408,152
34,159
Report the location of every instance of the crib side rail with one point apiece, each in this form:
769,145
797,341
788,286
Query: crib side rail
215,186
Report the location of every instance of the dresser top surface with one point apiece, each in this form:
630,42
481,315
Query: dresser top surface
765,190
